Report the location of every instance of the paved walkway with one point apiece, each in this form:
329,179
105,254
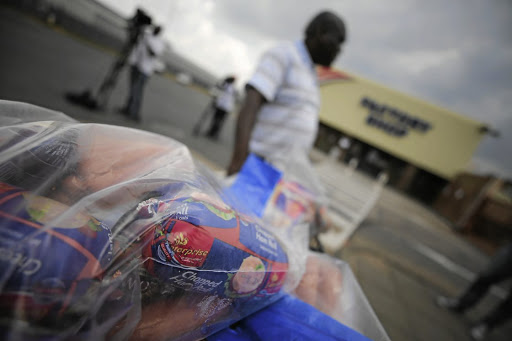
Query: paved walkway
404,256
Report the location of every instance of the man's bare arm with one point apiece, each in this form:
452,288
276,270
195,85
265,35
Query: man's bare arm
246,119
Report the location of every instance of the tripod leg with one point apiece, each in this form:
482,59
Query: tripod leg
110,80
109,83
202,118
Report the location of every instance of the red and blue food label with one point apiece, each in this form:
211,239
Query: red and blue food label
52,259
292,203
47,268
204,247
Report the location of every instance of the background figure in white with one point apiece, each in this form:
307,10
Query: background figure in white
224,104
144,60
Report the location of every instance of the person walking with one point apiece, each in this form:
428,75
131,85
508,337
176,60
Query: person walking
282,101
498,270
224,104
144,61
280,114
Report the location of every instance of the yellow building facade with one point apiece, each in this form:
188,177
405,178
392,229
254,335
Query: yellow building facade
431,138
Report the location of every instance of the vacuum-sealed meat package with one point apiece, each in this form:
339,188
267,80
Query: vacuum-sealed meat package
114,233
46,271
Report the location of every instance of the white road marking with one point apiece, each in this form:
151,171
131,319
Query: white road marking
454,267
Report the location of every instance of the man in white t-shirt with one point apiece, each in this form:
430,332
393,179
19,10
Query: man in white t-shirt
144,60
280,111
224,104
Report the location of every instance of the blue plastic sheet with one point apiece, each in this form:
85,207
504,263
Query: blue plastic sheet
258,178
288,319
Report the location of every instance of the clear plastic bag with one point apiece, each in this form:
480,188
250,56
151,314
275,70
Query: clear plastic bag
292,201
330,306
285,192
114,233
329,285
299,196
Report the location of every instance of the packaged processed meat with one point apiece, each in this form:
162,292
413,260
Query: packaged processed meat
47,272
106,231
215,266
199,246
112,233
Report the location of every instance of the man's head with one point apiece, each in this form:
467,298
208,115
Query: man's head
324,36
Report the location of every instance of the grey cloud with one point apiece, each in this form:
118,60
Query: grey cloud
497,150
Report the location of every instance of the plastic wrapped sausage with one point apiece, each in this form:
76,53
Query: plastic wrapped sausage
111,233
105,230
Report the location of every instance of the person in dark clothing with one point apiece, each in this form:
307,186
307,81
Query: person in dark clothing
498,270
224,104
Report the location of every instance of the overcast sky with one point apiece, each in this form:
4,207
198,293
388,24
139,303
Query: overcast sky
456,54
